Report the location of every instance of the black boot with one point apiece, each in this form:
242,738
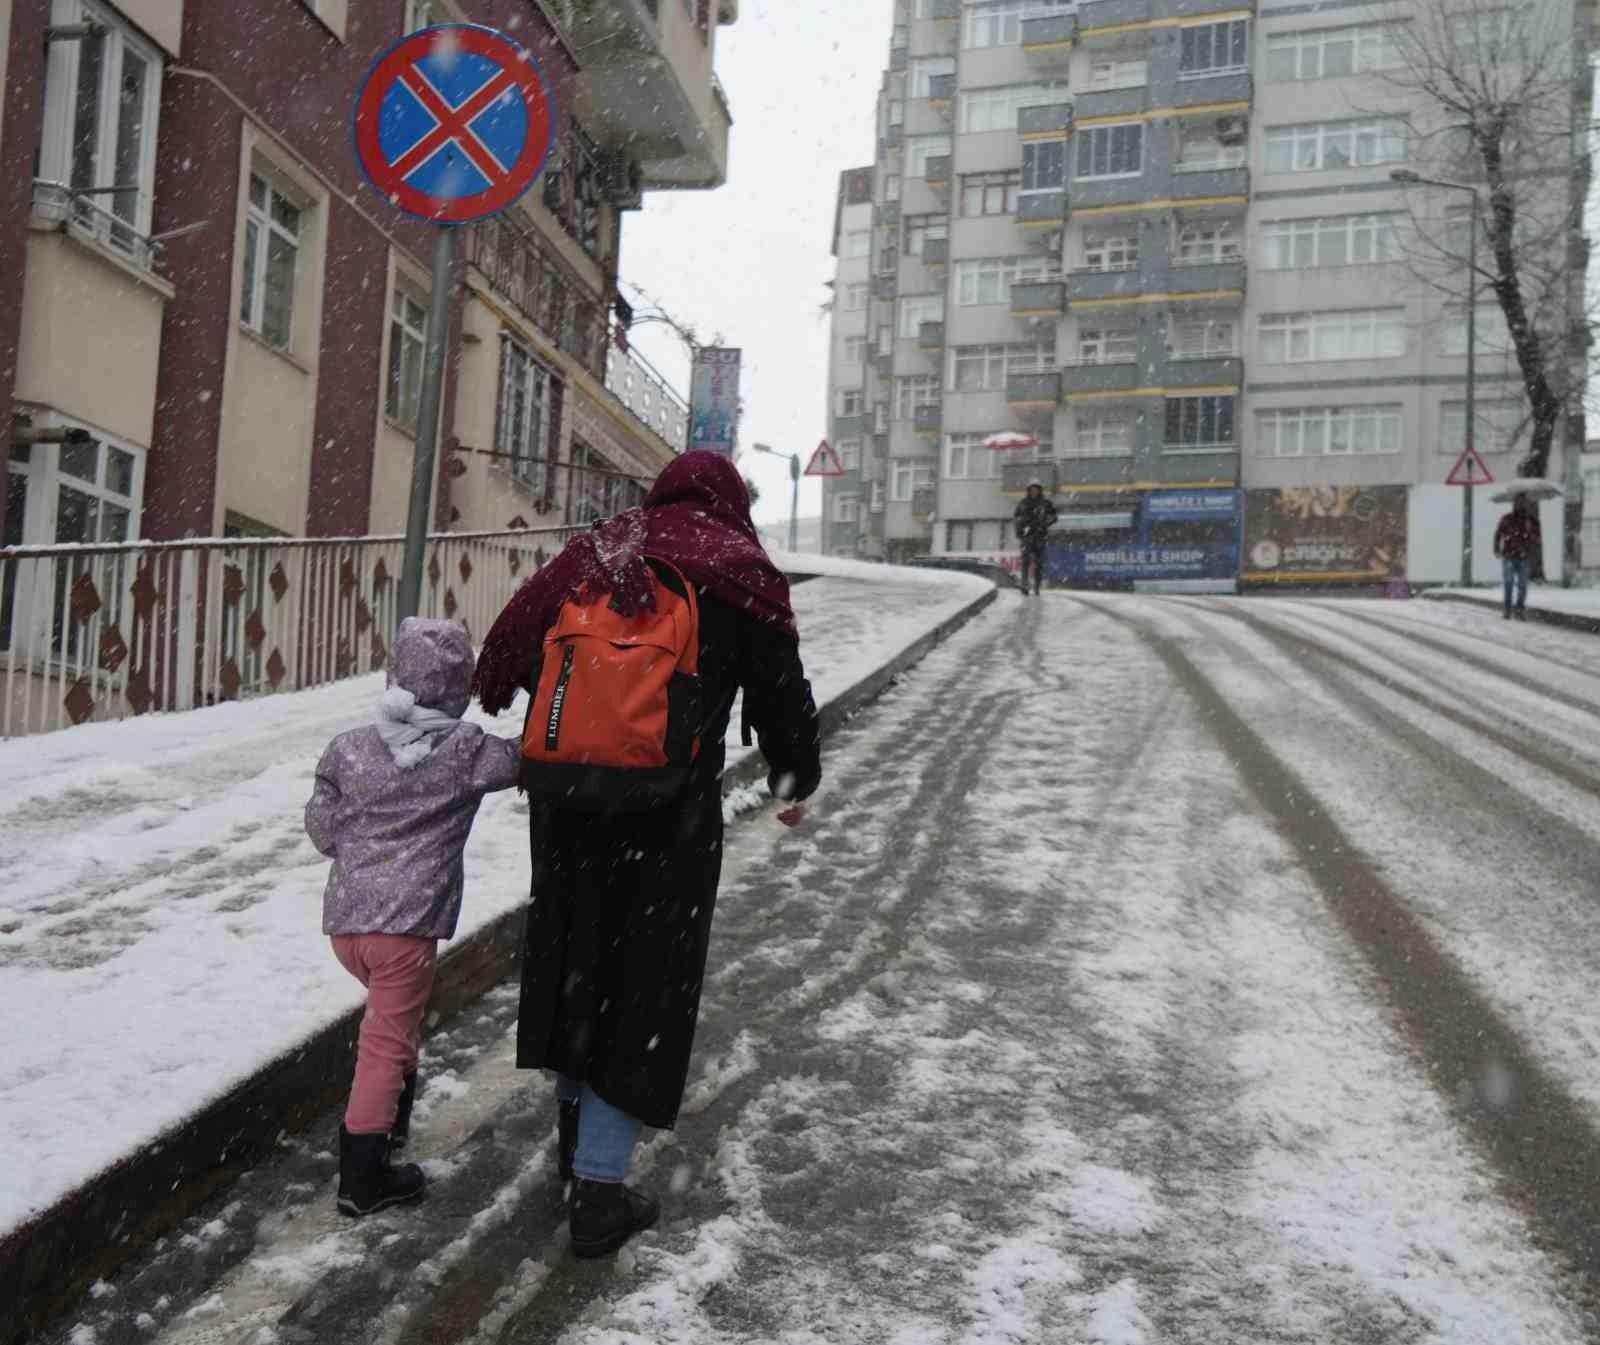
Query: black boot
367,1182
604,1215
566,1138
400,1132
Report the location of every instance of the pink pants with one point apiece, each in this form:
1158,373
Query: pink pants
397,970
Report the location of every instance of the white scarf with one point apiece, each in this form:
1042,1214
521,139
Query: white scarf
410,730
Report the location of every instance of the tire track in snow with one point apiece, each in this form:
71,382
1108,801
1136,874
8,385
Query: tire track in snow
1536,1133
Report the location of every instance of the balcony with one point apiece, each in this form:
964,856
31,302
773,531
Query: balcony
1105,193
1193,9
1208,279
935,252
937,173
1191,183
930,336
889,214
1015,477
894,137
1042,209
889,261
1050,37
924,502
1034,392
944,10
899,58
1204,371
1097,15
1039,299
647,88
1089,377
885,288
1089,287
942,91
1129,102
928,419
1044,123
848,427
884,365
1226,86
1205,465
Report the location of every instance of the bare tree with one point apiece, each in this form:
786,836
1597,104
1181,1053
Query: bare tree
1496,94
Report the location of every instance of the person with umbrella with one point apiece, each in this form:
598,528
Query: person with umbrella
1518,540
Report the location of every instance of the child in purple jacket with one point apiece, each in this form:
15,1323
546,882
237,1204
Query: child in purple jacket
393,805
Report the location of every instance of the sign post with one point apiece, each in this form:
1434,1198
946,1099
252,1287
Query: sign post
1470,470
453,123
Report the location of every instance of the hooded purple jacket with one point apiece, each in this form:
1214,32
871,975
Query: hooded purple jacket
396,833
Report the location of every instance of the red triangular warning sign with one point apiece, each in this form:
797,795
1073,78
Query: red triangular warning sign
1470,470
825,462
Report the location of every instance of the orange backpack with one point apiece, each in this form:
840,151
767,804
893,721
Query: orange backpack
615,720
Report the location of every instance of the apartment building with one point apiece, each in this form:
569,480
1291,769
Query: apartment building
225,323
853,504
1160,239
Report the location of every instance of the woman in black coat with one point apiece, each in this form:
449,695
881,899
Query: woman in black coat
619,927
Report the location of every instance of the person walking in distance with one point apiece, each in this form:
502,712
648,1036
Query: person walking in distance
627,858
1517,541
392,807
1034,518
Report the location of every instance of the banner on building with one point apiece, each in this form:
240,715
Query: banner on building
714,401
1326,534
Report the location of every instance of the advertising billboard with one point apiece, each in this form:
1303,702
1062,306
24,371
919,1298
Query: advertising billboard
714,401
1172,537
1325,534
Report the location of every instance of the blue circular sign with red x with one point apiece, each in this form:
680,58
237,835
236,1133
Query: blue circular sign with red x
454,123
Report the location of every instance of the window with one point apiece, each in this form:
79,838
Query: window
880,418
858,243
1108,345
989,193
1205,151
994,23
424,14
526,421
1356,334
847,508
891,187
1329,431
966,459
1199,423
1203,338
914,390
271,256
983,368
1332,240
996,109
915,309
1493,336
988,280
1102,434
97,487
849,454
1324,146
920,228
855,298
1496,428
875,497
408,336
886,339
922,148
926,70
855,350
1111,252
1044,166
1201,242
1214,48
1111,151
1488,37
1325,52
102,95
907,476
1113,73
851,402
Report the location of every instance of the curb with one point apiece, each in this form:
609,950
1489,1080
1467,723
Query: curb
48,1263
1589,625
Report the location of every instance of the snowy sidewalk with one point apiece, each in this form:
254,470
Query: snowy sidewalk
1573,608
159,924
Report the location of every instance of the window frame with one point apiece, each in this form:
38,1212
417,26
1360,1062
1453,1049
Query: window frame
527,456
1223,411
1365,40
1089,138
912,391
1098,445
917,303
1383,134
1007,182
1315,331
1238,36
1035,149
402,405
1326,422
1106,247
1316,233
1501,438
847,507
856,290
256,270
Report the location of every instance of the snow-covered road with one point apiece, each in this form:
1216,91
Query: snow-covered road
1150,970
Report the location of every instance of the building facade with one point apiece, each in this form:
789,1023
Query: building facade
853,504
230,322
1160,239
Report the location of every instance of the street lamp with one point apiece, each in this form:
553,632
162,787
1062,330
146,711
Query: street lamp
794,503
1405,177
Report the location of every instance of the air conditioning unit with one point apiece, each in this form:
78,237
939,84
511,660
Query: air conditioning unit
1231,130
622,181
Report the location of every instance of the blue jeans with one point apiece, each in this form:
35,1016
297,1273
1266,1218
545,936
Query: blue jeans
1515,570
606,1136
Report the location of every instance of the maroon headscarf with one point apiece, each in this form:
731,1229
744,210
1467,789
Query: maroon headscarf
697,519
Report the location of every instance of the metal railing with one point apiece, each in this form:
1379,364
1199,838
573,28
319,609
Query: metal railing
524,269
57,203
103,632
644,391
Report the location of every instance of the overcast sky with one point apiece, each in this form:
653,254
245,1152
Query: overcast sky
750,260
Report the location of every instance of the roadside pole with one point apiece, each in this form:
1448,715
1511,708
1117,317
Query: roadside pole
410,596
